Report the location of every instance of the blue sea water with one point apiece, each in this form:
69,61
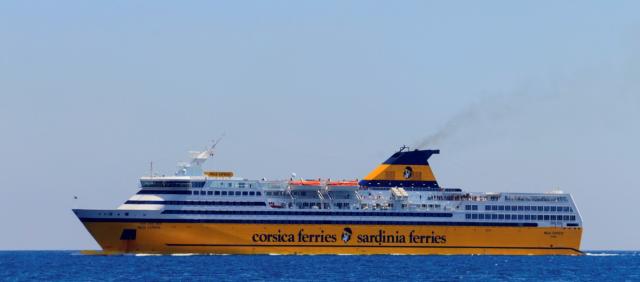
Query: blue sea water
72,266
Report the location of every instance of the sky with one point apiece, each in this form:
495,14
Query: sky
519,96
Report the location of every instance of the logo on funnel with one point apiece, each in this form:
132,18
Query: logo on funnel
408,172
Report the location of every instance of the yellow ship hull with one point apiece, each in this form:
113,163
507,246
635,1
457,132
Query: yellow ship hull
255,238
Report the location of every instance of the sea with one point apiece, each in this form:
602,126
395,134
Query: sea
73,266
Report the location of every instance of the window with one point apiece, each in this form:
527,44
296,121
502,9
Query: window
467,207
500,208
230,184
540,217
507,208
553,217
546,217
527,208
475,207
507,216
520,217
217,193
252,193
553,209
487,208
474,216
494,216
501,216
238,193
527,217
520,208
241,185
209,193
514,208
224,193
245,193
258,194
194,192
468,216
481,216
546,208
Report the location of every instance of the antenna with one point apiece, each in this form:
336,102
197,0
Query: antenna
215,143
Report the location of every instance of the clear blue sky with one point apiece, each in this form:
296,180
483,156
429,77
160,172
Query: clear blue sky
529,95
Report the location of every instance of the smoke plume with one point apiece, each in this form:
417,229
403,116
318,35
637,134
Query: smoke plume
483,113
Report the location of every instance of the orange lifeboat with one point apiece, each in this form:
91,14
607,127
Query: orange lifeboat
344,185
305,185
305,182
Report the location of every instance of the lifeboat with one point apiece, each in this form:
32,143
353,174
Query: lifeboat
344,185
305,185
276,205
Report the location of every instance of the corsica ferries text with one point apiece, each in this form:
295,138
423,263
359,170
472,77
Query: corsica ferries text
380,237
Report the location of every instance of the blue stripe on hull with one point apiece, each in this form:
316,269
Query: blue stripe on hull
341,222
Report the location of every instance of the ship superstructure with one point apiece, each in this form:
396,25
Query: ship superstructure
398,208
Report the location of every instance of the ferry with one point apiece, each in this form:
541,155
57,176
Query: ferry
398,208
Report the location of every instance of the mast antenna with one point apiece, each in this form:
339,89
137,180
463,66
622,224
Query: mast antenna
215,142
